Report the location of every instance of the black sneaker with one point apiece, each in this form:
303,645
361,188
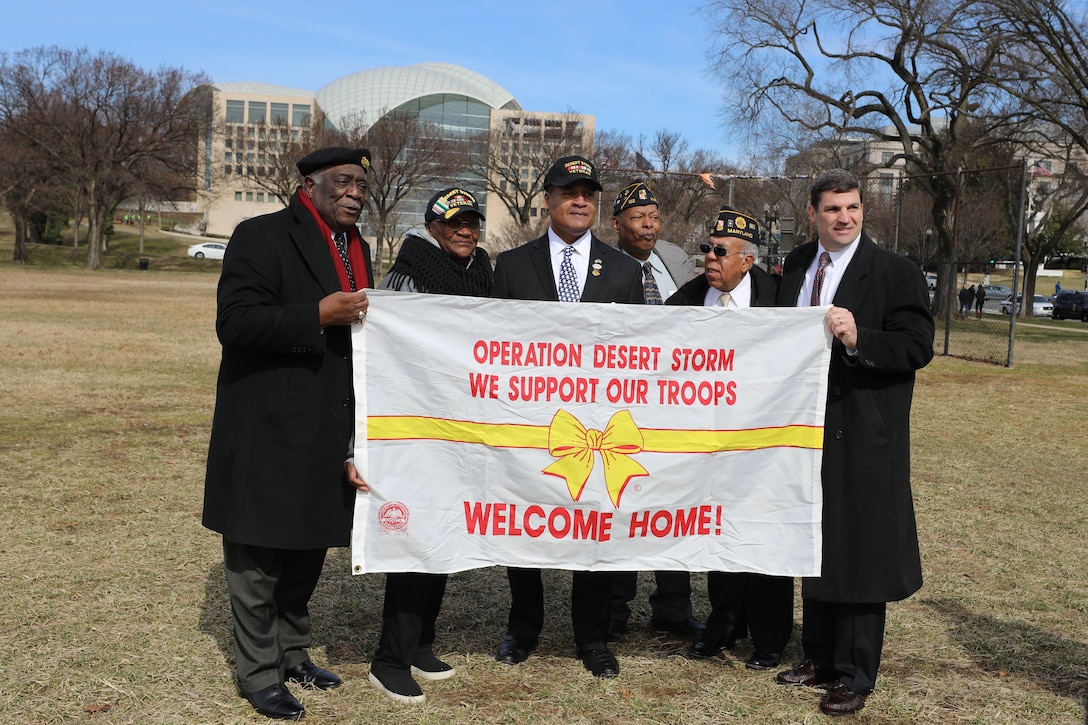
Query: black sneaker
397,685
429,667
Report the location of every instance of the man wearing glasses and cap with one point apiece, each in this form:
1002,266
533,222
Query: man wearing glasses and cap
567,264
741,603
665,266
293,284
440,258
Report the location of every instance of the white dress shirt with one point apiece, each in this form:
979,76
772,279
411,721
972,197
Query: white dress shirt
580,258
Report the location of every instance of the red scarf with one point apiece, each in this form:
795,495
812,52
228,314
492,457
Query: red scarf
355,248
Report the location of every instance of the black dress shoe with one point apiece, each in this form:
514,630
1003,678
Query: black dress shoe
276,702
841,700
513,651
763,660
688,628
806,674
311,676
601,662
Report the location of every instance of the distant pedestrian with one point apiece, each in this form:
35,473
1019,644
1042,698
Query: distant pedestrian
980,300
1057,288
967,299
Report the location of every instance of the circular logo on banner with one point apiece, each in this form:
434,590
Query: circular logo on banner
393,518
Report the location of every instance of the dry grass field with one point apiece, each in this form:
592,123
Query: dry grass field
113,606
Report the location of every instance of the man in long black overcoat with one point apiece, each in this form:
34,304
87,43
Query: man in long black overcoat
883,333
292,285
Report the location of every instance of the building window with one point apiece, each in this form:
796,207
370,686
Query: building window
260,196
532,211
279,113
229,143
226,169
300,114
249,196
227,156
236,111
258,111
237,196
886,157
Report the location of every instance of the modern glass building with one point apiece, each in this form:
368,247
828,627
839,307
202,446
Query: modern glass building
256,116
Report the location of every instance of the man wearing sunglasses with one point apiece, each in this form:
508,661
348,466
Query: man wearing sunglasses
636,220
741,603
567,264
440,258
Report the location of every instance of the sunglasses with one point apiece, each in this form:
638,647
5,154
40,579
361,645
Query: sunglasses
719,251
455,224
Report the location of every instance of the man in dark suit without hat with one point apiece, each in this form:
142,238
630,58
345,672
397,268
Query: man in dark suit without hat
883,333
291,288
567,264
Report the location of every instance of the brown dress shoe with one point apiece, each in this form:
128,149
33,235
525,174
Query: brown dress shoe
806,674
841,700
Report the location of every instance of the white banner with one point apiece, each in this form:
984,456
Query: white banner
587,436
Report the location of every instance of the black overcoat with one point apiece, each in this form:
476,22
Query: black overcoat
870,539
284,410
764,290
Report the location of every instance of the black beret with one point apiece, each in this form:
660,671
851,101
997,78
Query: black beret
571,169
732,223
637,193
448,203
333,156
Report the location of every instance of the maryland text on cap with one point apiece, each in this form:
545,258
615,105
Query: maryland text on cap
333,156
448,203
734,224
637,193
571,169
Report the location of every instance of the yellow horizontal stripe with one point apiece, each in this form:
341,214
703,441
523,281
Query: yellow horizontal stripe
506,435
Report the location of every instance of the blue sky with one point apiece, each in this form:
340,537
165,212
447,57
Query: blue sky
637,66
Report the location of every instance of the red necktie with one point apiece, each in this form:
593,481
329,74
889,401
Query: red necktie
818,283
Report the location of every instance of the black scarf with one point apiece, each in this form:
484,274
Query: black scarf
434,272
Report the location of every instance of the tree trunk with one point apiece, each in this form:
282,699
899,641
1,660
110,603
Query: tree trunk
95,228
20,253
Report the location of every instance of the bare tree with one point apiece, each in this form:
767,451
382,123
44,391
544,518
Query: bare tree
407,155
904,73
96,116
279,146
520,148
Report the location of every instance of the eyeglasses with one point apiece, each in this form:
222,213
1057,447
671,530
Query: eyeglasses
719,251
455,224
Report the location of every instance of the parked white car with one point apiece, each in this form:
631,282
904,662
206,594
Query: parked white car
209,250
1040,306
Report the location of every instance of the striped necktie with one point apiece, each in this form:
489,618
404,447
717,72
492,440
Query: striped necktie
818,282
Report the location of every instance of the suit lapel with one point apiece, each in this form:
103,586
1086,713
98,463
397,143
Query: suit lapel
595,283
540,254
314,251
794,278
853,285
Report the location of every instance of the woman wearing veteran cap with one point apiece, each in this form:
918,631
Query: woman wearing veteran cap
442,258
740,603
292,285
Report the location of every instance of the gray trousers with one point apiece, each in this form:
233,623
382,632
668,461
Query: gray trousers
269,595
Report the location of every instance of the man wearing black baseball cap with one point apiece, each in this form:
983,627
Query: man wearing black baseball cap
293,284
567,264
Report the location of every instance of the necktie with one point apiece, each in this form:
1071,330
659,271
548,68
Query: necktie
568,281
341,240
723,299
818,282
649,285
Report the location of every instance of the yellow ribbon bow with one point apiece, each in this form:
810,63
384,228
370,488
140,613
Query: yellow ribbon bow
574,444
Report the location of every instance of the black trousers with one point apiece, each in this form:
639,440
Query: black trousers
269,599
590,599
759,605
847,638
412,603
670,602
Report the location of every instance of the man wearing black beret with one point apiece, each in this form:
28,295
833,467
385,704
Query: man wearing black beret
567,264
293,284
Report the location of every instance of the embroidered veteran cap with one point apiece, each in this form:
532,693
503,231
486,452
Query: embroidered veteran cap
637,193
451,202
333,156
731,223
571,169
